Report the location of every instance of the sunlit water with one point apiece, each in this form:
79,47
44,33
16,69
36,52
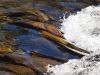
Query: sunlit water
31,40
28,40
83,30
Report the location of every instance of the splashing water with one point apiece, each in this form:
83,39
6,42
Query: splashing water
83,30
88,65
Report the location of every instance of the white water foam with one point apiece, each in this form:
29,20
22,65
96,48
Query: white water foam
83,30
88,65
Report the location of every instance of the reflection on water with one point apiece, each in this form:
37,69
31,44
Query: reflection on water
31,40
23,41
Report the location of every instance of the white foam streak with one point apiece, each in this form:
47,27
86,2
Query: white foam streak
83,29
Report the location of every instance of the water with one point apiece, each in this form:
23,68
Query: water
31,40
25,40
87,65
83,32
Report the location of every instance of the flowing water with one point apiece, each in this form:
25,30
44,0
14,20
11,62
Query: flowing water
31,39
83,33
25,40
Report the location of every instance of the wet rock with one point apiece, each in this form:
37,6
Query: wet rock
3,18
17,69
48,27
41,62
65,43
60,7
16,14
87,1
40,26
54,38
5,50
54,30
6,42
6,73
34,62
41,16
10,3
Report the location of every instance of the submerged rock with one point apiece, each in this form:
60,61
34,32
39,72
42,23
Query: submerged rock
5,50
34,62
48,27
17,69
65,43
6,73
41,16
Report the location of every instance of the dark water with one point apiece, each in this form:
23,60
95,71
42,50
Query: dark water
31,40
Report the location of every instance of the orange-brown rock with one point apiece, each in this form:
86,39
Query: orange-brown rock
18,69
48,27
5,50
41,16
65,43
35,62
